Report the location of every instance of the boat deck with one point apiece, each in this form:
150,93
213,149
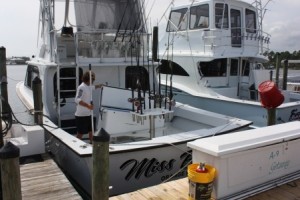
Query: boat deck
178,190
44,180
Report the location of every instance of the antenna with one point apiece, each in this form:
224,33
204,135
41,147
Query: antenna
261,11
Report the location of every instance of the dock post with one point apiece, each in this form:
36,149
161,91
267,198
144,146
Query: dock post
10,171
285,73
3,83
3,92
271,116
3,76
37,99
277,69
100,179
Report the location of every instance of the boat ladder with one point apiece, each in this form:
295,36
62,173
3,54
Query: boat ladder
67,82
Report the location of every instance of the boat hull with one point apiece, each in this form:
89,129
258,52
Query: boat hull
243,109
129,169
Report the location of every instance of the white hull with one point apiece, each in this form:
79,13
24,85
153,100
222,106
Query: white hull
248,110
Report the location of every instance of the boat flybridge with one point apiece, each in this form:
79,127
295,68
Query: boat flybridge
211,55
148,131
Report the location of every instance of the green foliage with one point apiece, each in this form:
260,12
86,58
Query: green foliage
272,56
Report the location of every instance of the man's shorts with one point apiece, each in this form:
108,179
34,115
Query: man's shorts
83,124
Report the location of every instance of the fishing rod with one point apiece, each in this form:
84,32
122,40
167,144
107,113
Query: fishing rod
166,90
128,22
171,80
139,85
121,21
137,21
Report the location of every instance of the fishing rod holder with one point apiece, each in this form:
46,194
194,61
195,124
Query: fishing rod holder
152,115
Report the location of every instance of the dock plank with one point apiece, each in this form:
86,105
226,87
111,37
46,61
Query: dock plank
44,180
178,190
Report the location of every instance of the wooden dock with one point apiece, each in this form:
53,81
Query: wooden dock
178,190
44,180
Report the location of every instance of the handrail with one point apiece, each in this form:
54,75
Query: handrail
105,44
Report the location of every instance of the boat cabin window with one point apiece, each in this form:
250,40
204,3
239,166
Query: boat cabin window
236,32
177,20
234,66
215,68
31,73
67,82
250,21
221,15
172,68
199,16
137,78
245,68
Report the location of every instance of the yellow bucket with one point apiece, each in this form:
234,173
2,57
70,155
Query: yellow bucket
200,183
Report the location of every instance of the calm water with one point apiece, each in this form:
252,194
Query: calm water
15,74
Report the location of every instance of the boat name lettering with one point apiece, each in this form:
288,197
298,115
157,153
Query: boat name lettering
146,167
186,158
279,165
295,115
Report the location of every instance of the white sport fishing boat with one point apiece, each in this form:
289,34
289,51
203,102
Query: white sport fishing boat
148,131
211,55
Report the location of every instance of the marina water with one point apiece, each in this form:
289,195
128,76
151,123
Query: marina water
15,74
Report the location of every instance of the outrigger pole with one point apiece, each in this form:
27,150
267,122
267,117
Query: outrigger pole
92,111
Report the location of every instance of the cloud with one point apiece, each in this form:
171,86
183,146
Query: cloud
19,23
281,21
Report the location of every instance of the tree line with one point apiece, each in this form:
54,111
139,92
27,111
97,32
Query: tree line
286,55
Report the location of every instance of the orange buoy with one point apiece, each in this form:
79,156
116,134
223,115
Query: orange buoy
200,181
270,96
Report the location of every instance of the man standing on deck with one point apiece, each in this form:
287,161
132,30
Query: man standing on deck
85,106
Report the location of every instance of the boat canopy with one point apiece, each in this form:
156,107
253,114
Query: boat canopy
109,14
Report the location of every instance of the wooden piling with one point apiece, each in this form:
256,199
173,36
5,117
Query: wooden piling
10,172
3,83
271,116
277,70
3,78
3,92
285,73
37,98
100,179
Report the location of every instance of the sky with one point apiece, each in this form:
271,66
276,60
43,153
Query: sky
19,23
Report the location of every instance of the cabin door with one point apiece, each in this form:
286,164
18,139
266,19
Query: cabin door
236,27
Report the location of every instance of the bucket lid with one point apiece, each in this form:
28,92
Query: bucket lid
266,86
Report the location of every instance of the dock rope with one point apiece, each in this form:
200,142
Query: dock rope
7,118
